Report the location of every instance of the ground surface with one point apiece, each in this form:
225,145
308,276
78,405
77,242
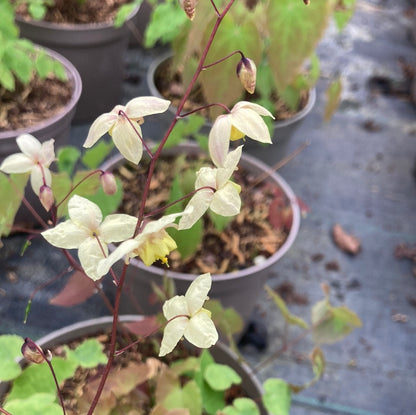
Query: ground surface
358,171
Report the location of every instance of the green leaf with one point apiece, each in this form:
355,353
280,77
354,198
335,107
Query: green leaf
20,63
124,12
221,377
242,406
67,159
88,354
281,305
295,31
188,240
188,397
220,222
343,12
166,22
44,65
61,185
331,324
14,187
38,378
277,396
10,351
36,404
333,98
37,11
6,77
94,156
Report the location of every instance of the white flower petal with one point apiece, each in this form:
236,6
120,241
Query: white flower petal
227,201
127,141
162,223
201,331
252,106
84,213
118,227
251,124
172,334
37,177
176,306
219,139
47,154
124,249
90,254
17,163
230,165
29,145
197,292
142,106
199,203
99,127
65,235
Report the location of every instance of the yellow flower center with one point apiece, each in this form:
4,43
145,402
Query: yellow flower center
236,134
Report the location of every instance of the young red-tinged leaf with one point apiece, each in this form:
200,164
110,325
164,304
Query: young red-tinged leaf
143,327
287,315
78,289
333,98
318,362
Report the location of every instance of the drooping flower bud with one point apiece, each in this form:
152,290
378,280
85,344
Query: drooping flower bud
33,353
246,71
306,2
189,7
46,197
108,182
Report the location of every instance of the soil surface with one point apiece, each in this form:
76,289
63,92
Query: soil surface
256,232
79,12
33,103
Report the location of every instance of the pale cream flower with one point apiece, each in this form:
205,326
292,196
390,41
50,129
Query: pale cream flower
35,157
186,317
245,119
222,196
125,138
151,244
89,233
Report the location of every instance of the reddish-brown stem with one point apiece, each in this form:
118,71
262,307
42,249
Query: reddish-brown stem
3,411
33,344
121,112
156,211
215,8
78,184
156,155
112,342
223,59
204,108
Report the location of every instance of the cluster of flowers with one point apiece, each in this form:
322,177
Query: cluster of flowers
87,231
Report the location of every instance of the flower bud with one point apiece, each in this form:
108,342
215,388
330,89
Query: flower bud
46,197
306,2
189,7
246,71
33,353
108,182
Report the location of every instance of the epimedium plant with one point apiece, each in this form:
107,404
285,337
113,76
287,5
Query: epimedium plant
89,227
279,36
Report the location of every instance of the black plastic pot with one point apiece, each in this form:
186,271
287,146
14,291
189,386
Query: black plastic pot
96,50
221,353
239,289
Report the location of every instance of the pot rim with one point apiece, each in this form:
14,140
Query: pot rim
275,177
150,76
73,77
76,26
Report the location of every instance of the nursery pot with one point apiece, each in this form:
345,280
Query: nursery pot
239,289
282,129
57,127
221,353
96,50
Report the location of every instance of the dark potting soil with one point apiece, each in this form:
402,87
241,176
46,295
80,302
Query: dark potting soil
78,12
257,231
33,103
